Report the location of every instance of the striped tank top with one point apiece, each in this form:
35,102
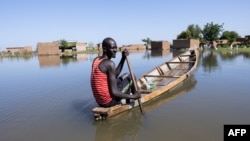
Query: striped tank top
99,84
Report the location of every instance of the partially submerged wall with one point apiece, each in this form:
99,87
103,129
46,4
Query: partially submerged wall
160,45
48,48
185,43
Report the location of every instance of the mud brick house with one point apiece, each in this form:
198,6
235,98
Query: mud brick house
185,43
52,48
19,49
48,48
160,45
133,47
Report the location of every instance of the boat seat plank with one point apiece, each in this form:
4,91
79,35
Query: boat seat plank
170,76
182,62
167,80
145,91
187,55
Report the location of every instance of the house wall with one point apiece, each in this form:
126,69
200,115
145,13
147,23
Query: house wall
160,45
247,37
99,46
194,43
185,43
181,43
222,41
241,40
48,48
134,47
19,49
81,46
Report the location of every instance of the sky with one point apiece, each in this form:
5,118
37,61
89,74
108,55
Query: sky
27,22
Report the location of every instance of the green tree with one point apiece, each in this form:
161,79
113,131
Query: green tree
63,44
212,31
147,42
91,44
192,32
231,36
183,35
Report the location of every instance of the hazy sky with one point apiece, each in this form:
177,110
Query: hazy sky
26,22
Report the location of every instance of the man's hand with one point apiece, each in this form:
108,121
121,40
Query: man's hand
136,95
125,53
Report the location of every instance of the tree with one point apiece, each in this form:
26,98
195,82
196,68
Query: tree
212,31
231,36
90,44
192,32
63,44
147,42
183,35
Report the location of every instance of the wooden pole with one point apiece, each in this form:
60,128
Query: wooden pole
134,82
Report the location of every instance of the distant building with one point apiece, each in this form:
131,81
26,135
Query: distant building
99,46
19,49
160,45
185,43
48,48
81,46
244,40
222,42
54,47
247,37
134,47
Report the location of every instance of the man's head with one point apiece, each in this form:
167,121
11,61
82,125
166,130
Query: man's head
109,47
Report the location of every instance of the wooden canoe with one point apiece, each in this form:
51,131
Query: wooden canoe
161,79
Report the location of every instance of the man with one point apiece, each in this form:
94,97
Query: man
104,76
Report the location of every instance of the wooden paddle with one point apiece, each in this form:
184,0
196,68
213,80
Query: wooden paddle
134,82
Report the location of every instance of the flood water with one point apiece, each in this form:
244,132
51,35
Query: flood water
48,98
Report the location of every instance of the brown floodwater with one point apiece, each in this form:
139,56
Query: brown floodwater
48,98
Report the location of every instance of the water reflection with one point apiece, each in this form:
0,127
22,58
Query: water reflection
176,92
42,109
120,127
209,60
156,52
17,56
177,52
49,60
56,60
161,53
66,59
127,125
232,54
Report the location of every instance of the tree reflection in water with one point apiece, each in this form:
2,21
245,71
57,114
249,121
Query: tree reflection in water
122,127
209,60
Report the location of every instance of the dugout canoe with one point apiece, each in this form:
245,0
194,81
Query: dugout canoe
156,82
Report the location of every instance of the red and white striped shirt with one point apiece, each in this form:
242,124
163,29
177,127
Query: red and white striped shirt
99,83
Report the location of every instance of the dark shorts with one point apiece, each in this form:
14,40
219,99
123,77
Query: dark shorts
111,103
124,84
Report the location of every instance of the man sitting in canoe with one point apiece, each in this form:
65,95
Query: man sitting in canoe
107,89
